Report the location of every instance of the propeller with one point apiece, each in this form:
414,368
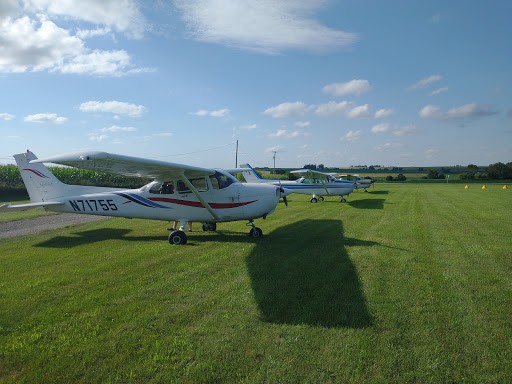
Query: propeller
283,193
283,196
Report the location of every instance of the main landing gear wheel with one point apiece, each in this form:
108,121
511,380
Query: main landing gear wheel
314,200
321,198
209,227
177,238
255,232
343,200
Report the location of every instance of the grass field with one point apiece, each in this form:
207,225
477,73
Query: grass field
405,284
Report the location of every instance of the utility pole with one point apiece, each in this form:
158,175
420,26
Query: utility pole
236,155
275,162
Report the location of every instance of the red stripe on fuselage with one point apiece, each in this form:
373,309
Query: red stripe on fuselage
198,204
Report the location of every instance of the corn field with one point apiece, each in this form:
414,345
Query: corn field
10,178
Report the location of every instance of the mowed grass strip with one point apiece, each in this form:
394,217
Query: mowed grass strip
407,283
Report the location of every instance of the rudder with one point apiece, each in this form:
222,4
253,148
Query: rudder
41,184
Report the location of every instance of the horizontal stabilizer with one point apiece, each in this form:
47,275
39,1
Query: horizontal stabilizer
23,207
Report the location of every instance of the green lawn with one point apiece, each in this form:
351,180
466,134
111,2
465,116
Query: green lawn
405,284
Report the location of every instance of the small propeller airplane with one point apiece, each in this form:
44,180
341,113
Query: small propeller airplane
314,183
359,182
179,192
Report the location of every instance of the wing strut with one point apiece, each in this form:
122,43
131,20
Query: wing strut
325,187
200,198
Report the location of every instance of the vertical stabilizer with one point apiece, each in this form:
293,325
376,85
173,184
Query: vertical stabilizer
252,176
41,184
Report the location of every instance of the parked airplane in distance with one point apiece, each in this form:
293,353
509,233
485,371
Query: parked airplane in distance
314,183
359,182
179,192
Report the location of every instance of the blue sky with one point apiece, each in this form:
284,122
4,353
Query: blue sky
339,83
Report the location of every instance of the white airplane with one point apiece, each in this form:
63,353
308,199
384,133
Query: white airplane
359,182
314,183
179,192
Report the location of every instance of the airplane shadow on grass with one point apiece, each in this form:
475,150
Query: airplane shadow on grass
303,275
93,236
367,203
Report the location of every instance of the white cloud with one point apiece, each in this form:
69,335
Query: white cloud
33,41
98,63
394,129
88,33
122,15
116,128
359,112
426,82
8,8
97,137
302,124
6,116
467,111
435,19
248,127
430,112
429,153
45,118
283,133
276,148
353,87
287,109
113,106
352,136
381,128
471,110
331,108
264,26
382,113
389,147
438,91
217,113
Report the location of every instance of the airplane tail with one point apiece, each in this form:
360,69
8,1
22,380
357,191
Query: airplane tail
252,176
41,184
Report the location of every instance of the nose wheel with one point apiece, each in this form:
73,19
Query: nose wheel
255,231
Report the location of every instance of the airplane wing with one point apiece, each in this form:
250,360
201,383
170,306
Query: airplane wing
309,173
128,165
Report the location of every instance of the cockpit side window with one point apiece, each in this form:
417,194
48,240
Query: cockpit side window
221,181
163,188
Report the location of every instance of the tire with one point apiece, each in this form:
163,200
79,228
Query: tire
314,200
177,238
321,198
255,232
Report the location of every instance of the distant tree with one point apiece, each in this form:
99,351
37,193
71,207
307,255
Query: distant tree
401,177
321,167
433,174
389,178
500,171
